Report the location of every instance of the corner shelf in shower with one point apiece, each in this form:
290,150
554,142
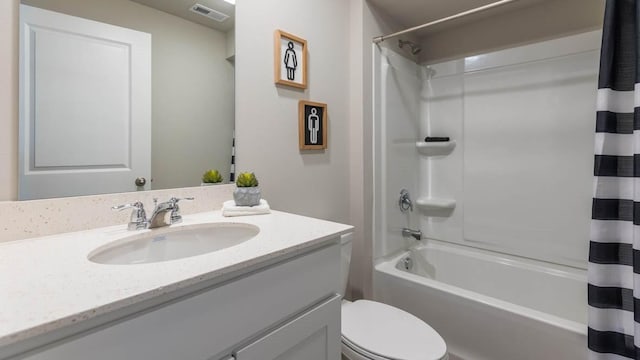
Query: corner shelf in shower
436,205
436,148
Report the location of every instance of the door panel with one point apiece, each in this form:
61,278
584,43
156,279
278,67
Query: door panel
85,106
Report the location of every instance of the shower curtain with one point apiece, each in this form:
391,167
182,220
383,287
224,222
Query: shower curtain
614,253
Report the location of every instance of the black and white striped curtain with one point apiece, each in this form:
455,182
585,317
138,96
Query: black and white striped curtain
614,253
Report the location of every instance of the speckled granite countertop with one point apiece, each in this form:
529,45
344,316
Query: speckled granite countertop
48,283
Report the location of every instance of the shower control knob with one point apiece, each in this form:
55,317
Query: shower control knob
404,202
141,181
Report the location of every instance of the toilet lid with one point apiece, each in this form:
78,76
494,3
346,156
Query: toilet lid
390,332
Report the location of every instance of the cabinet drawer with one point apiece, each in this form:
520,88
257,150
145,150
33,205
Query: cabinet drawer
314,335
211,322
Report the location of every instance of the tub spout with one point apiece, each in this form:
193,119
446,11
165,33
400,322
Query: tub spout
416,234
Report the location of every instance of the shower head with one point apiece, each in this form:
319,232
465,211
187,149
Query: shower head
415,48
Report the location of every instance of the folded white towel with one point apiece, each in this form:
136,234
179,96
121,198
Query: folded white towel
229,208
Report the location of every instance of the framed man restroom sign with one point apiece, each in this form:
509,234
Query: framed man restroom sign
290,60
312,125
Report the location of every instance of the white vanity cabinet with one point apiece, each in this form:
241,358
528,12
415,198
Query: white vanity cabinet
283,310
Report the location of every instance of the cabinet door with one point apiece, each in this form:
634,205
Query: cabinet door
314,335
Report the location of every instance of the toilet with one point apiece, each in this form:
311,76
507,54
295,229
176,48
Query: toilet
377,331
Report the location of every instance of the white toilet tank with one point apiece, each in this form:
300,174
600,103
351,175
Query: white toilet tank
345,259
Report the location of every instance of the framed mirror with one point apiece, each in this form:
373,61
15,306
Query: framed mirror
124,95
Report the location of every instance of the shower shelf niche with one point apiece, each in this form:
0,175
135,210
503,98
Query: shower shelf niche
436,206
437,148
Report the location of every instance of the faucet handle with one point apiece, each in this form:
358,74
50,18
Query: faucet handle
404,202
176,217
136,205
175,200
138,219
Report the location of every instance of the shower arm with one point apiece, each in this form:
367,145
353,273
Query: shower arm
379,39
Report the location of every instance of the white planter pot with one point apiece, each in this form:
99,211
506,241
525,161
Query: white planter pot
247,196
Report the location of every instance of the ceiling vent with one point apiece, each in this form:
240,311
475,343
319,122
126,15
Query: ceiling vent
208,12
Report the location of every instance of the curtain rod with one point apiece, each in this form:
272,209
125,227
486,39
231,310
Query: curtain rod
379,39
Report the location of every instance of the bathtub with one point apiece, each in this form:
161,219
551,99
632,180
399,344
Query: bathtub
489,306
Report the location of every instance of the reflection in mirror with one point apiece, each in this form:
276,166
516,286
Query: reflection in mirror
124,95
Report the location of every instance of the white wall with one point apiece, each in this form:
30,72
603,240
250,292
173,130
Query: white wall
8,99
359,180
314,183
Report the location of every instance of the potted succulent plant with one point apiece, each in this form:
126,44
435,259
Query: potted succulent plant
211,177
247,192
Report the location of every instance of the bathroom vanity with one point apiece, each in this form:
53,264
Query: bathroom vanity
272,296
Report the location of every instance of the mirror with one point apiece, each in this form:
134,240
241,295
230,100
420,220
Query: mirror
190,91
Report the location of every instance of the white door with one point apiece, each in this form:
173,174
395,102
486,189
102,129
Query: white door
85,106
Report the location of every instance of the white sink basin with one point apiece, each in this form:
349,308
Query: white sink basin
173,243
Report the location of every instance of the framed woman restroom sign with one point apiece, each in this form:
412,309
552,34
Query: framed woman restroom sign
290,60
312,125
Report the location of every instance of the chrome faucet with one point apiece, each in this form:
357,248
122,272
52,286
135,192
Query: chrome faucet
416,234
139,220
158,217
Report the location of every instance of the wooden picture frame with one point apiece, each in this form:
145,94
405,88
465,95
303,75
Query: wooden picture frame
312,125
290,60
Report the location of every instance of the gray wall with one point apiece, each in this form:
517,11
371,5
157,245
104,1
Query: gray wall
542,21
314,183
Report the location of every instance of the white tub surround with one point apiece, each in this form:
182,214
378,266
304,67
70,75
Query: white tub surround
437,148
520,123
521,171
489,306
517,182
50,287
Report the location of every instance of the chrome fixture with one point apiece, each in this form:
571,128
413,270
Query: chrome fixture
416,234
407,263
405,202
139,220
379,39
158,218
415,48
